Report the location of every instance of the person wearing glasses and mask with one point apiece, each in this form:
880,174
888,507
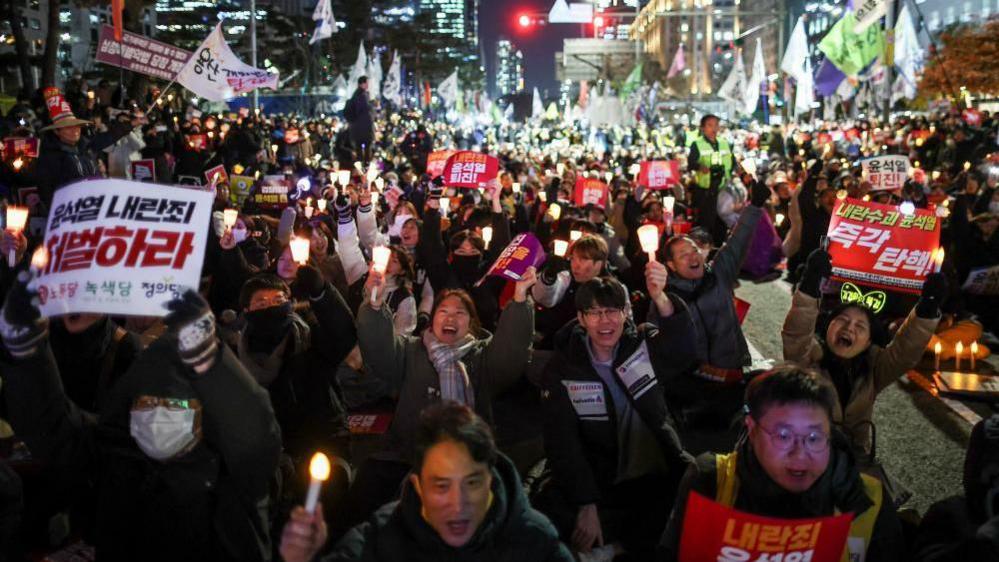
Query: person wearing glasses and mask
608,397
791,465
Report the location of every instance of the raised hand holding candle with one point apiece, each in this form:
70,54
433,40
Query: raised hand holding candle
958,351
299,249
343,177
17,217
319,472
379,262
555,211
321,205
648,237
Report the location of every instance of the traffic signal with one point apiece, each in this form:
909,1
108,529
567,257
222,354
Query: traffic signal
598,22
524,20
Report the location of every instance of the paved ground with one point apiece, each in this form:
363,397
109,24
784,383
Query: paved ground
920,441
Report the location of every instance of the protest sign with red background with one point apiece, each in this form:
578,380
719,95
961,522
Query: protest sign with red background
120,247
590,191
222,179
886,172
877,245
972,117
291,136
20,146
713,532
197,142
659,174
436,162
143,170
470,169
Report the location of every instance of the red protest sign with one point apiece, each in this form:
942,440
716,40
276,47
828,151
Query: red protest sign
877,245
470,169
436,162
20,146
712,531
197,142
291,136
590,191
972,117
219,171
659,174
143,170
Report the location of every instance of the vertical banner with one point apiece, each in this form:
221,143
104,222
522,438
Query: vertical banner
713,532
659,174
470,169
877,245
120,247
886,172
590,191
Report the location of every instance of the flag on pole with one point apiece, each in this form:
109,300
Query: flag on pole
358,70
326,26
392,89
216,74
908,56
752,93
849,51
678,65
448,89
633,81
734,88
117,17
804,96
869,12
796,54
537,107
374,75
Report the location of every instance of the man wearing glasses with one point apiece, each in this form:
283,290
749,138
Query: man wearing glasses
791,465
614,456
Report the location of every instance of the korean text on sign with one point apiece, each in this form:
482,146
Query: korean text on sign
121,247
470,169
877,245
886,172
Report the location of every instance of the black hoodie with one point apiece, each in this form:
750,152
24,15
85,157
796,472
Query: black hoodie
511,532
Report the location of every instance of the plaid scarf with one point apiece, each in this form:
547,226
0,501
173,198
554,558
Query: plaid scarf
446,359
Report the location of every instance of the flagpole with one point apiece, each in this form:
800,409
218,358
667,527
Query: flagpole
253,50
889,57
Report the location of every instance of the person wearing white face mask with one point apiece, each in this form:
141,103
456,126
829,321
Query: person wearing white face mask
183,411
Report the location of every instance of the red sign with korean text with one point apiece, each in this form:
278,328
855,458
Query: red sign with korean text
713,532
470,169
659,174
217,176
590,191
877,245
143,170
20,146
436,162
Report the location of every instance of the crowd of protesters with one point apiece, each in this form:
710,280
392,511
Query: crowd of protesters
189,437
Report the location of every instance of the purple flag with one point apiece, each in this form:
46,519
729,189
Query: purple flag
827,78
524,251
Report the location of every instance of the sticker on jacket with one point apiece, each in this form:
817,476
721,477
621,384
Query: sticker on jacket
636,372
587,399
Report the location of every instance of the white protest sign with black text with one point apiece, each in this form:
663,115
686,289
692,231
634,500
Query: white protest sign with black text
886,172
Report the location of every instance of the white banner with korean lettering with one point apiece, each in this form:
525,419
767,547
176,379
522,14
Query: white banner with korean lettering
120,247
886,172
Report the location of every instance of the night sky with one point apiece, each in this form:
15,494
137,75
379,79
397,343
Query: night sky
539,44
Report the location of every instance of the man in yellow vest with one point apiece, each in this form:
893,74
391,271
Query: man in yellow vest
791,466
711,160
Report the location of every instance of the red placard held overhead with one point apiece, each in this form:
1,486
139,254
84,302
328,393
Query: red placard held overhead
470,169
436,162
143,170
659,174
590,191
878,245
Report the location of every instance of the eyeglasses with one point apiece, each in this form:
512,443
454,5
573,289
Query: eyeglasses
602,313
784,439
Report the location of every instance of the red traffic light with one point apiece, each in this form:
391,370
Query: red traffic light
524,20
598,21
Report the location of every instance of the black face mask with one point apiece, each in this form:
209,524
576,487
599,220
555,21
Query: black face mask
466,268
267,327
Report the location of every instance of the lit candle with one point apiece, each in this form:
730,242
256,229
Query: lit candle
445,205
575,235
937,349
374,199
609,176
379,184
372,174
229,218
543,196
18,163
668,203
515,187
308,211
379,262
274,148
967,165
841,194
359,166
487,235
779,219
39,259
561,246
319,471
958,351
17,217
938,259
555,211
560,168
299,249
343,177
974,352
648,237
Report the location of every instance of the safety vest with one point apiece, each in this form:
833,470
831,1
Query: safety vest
861,528
708,156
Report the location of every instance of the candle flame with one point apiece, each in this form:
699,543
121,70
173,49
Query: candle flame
974,348
40,258
319,467
938,348
959,348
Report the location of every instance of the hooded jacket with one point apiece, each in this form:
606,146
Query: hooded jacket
511,532
720,342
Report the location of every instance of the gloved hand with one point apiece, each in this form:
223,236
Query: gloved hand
552,267
308,284
934,294
192,321
759,194
343,211
817,267
21,324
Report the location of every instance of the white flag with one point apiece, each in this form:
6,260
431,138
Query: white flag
734,87
340,86
804,95
358,70
908,56
448,89
537,107
796,54
679,63
393,81
216,74
752,94
374,75
868,12
326,26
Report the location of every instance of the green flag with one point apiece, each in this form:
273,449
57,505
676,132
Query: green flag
850,51
632,82
552,113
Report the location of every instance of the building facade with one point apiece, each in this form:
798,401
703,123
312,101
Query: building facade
509,68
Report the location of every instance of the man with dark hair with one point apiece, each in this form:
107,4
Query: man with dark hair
357,112
609,394
712,161
791,465
462,501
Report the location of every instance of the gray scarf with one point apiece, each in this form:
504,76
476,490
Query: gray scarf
452,373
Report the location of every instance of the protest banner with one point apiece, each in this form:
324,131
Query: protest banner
659,174
470,169
522,252
216,74
877,245
436,162
590,191
216,176
239,189
712,531
120,247
20,146
273,193
143,170
886,172
141,54
982,281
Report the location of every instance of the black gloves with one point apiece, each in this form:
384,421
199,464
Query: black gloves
344,213
21,324
934,293
193,323
817,267
759,193
308,284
